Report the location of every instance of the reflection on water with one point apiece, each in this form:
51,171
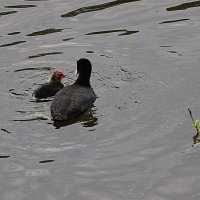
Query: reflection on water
45,32
113,31
97,7
173,21
184,6
87,119
12,44
7,13
45,54
20,6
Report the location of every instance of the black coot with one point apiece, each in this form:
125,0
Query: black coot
51,88
74,99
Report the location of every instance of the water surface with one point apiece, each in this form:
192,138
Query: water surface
136,142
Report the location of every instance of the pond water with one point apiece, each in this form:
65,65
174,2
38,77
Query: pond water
136,142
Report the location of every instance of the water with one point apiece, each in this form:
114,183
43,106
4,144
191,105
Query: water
136,142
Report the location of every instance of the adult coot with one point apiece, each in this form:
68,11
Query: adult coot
74,99
51,88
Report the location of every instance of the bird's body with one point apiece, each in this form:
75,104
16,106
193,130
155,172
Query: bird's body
73,100
51,88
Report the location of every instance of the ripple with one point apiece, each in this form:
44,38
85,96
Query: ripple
12,44
67,39
173,21
13,167
45,32
37,172
21,6
14,33
34,116
96,7
35,0
46,161
5,130
7,13
4,156
184,6
45,54
113,31
33,68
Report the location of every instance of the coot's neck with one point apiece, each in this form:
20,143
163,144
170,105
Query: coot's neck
83,79
55,79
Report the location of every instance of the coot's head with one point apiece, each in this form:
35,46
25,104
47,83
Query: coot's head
57,76
84,69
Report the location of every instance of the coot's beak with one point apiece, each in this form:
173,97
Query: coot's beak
76,73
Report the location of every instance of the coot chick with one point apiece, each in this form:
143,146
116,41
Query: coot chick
74,99
51,88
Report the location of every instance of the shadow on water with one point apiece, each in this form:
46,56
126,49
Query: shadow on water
12,44
87,119
45,54
113,31
96,7
184,6
20,6
45,32
7,13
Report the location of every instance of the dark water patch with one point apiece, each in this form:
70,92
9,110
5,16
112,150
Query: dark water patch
106,56
14,33
21,6
46,161
67,39
184,6
45,32
12,44
173,21
88,119
166,46
128,32
5,130
96,7
7,13
35,0
113,31
174,52
45,54
89,51
15,93
4,156
33,68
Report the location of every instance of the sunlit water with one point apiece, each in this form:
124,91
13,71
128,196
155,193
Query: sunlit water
136,142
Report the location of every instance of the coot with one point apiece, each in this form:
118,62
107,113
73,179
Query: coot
74,99
51,88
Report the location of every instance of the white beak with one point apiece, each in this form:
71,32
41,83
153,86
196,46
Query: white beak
76,73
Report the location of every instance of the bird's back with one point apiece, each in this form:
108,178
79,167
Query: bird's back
71,101
48,90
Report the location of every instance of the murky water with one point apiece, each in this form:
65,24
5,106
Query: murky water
136,142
